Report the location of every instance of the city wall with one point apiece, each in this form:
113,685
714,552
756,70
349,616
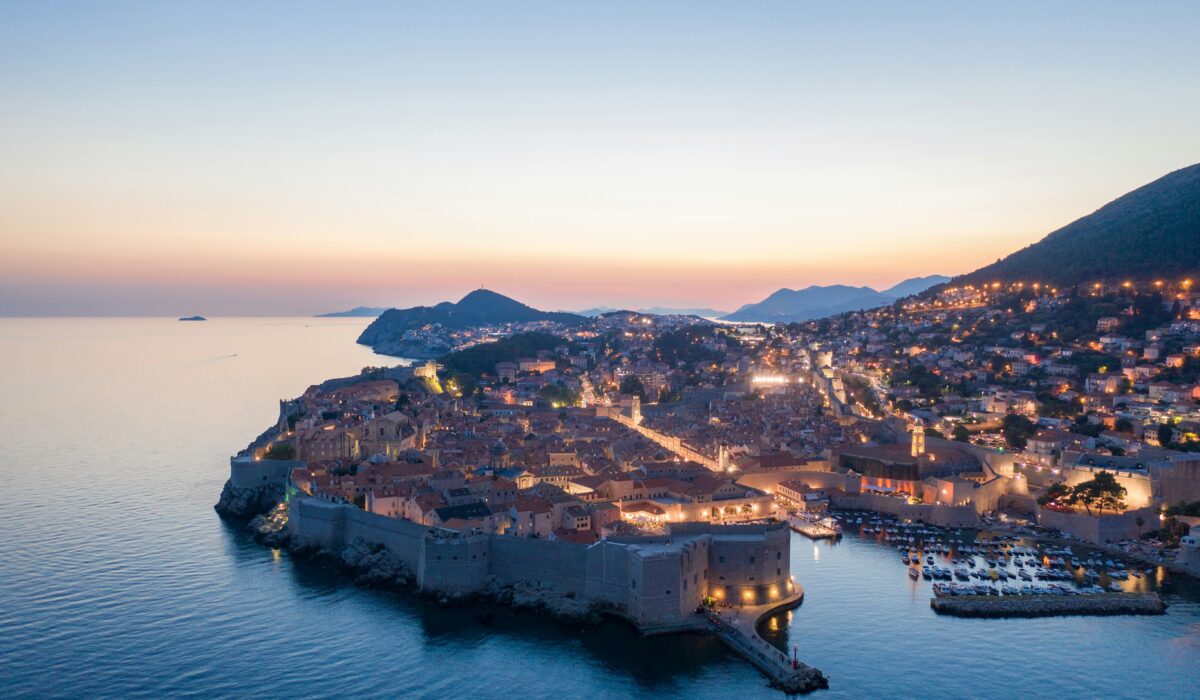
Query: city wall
819,479
654,582
245,472
944,515
1100,529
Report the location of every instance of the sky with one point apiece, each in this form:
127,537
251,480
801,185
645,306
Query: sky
232,158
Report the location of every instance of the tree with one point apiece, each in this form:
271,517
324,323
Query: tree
1017,430
1123,425
1055,494
1164,435
633,386
281,450
559,395
1102,491
1140,522
961,433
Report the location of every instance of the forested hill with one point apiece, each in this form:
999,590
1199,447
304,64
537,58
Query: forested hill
481,307
1152,232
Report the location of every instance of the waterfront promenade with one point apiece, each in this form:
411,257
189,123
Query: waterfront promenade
738,627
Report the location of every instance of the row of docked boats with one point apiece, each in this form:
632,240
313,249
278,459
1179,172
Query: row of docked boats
961,589
968,557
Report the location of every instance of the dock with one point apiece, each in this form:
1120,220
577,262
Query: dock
740,632
1048,605
813,530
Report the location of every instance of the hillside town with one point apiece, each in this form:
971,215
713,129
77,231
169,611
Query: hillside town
964,407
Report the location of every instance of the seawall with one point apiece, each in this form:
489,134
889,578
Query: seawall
1045,606
943,515
655,582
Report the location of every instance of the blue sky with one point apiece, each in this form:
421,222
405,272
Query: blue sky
298,157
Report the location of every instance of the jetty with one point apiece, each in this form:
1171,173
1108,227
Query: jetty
738,628
813,530
1047,605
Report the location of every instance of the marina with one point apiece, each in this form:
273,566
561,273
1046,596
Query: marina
985,574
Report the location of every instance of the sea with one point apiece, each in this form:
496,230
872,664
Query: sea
118,580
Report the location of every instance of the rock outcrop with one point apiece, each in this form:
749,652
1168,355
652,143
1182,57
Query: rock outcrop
534,595
375,565
248,502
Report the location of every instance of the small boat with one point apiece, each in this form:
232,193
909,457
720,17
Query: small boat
913,573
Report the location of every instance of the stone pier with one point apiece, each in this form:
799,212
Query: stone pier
738,628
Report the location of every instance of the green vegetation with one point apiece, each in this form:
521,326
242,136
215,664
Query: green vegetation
281,450
684,345
1102,492
1017,430
1147,234
1191,510
859,389
633,386
481,359
559,395
1058,493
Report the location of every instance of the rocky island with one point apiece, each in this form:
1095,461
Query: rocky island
429,332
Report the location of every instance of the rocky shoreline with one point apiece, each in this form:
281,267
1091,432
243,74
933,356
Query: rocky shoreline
1044,606
248,502
376,567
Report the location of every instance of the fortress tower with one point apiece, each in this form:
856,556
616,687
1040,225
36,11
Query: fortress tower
918,440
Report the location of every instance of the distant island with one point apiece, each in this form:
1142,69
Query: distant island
658,311
192,318
429,332
357,312
791,305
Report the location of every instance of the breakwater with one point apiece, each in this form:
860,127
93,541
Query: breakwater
1045,606
741,634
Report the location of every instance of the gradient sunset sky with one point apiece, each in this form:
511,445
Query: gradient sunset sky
293,158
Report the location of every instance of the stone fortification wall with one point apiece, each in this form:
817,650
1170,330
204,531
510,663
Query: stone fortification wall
944,515
1000,463
820,478
654,581
990,493
1177,482
562,565
1099,529
245,472
1138,487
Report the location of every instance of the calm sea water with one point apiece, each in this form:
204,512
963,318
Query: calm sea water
117,579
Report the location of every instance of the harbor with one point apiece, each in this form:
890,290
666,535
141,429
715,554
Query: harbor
1008,574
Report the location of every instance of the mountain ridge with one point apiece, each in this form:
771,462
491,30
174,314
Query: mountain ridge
817,301
479,307
1150,232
